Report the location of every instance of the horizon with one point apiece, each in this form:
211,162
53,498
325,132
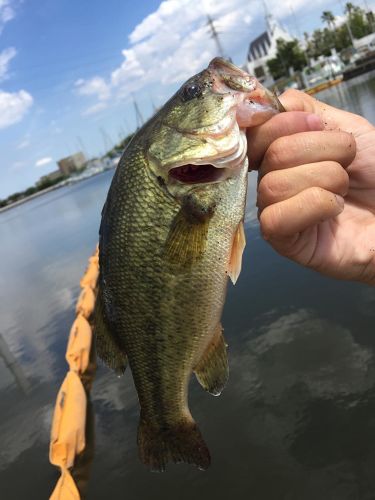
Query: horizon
68,73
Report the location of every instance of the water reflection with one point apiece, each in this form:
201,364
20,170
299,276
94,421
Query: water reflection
14,367
356,95
296,419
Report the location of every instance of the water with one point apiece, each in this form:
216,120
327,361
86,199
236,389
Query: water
297,419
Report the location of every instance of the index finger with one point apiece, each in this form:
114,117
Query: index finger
259,138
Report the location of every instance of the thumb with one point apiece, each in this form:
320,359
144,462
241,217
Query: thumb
332,118
295,100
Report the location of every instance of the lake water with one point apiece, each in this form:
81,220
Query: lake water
297,418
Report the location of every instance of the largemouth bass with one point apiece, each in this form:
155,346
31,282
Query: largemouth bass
171,234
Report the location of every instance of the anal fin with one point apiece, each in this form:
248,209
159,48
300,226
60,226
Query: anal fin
107,347
238,246
212,371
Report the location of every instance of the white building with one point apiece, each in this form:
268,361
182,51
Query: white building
264,48
365,44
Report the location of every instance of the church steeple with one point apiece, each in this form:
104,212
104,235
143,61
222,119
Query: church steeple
271,22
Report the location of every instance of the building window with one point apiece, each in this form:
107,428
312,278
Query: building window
259,71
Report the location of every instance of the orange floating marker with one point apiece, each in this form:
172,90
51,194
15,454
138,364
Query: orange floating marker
68,425
91,275
69,418
79,345
65,488
86,302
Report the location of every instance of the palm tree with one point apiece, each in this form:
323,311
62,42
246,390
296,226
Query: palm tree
349,7
329,18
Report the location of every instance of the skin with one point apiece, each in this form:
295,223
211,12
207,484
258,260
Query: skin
316,192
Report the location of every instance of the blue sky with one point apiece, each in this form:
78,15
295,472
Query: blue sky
69,68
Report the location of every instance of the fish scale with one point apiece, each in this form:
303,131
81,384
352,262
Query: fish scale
166,250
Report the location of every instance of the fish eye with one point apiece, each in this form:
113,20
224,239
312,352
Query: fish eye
191,91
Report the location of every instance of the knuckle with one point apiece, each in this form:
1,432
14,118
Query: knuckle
269,221
276,154
340,178
321,198
348,147
315,196
272,186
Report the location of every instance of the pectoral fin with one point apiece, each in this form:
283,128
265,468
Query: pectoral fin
187,237
107,346
212,371
238,246
186,240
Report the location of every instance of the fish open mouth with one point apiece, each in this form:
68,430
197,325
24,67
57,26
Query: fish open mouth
195,174
222,166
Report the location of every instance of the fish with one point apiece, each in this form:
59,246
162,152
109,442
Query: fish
171,235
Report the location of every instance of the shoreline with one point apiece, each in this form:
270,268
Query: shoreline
45,191
28,198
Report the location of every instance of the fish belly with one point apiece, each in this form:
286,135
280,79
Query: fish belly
165,316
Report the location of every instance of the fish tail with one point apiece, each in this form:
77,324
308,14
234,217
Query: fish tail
181,442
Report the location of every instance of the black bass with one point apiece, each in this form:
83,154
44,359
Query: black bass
171,235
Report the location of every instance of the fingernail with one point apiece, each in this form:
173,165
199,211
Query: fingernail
340,201
314,122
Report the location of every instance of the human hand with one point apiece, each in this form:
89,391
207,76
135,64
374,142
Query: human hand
316,192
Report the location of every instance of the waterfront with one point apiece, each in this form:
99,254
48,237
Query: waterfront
296,420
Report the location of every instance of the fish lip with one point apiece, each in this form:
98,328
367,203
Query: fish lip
219,64
230,77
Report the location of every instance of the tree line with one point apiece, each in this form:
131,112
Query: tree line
358,23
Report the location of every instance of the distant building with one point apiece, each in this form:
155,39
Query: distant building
71,163
56,174
263,48
365,44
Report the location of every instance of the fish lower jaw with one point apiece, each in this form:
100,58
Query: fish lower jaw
235,158
214,169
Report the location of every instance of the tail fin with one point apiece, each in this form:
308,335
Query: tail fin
181,442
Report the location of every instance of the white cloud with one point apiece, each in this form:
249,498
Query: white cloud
23,144
96,86
17,165
43,161
169,56
6,13
174,42
5,57
95,108
154,21
13,107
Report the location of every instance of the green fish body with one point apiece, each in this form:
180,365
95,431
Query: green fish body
171,234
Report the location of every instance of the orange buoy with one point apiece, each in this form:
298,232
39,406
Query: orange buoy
86,302
68,426
69,417
65,488
79,345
